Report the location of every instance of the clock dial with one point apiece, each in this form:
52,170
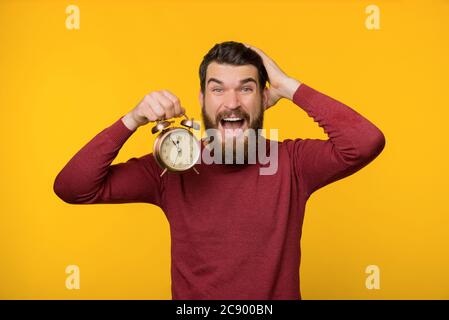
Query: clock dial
179,149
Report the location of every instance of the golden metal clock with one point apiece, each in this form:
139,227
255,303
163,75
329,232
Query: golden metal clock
176,149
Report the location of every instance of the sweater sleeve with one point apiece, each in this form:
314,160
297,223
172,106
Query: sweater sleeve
90,178
353,141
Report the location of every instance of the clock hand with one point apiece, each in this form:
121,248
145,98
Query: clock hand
176,145
173,163
174,142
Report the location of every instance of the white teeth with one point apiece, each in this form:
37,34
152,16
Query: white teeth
232,119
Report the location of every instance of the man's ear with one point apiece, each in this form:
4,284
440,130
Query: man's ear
265,97
200,97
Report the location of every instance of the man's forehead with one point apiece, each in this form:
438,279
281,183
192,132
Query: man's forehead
231,73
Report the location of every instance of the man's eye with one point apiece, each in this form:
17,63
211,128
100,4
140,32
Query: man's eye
247,89
217,90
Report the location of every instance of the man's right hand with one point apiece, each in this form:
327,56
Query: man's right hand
156,105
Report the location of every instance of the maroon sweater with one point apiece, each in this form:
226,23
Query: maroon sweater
235,233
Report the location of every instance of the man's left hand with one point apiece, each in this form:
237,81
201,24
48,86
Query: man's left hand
281,85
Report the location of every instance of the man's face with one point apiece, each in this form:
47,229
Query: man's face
232,101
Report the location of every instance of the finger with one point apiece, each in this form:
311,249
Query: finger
149,114
267,61
178,110
254,48
263,55
274,71
166,103
260,52
157,109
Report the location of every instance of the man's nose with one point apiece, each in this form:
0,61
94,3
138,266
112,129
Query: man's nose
231,100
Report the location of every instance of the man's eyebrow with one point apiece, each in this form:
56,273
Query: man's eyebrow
250,79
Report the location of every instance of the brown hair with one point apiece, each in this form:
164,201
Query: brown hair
234,53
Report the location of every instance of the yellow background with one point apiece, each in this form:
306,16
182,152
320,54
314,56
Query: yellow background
60,87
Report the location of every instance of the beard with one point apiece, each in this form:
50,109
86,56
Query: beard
226,141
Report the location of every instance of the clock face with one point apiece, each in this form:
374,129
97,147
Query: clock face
178,150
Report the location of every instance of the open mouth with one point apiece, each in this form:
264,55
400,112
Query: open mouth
233,123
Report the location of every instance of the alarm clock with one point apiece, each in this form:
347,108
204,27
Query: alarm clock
176,149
